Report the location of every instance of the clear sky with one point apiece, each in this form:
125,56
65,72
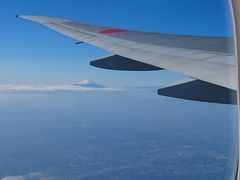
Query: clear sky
30,53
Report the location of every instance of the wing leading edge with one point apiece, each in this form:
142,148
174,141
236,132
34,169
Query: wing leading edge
208,60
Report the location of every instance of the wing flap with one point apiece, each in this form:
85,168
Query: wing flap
116,62
192,89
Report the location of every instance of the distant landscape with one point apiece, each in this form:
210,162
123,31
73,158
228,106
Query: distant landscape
113,135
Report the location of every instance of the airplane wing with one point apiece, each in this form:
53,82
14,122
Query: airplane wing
208,61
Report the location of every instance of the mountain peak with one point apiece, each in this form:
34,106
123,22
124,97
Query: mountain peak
89,84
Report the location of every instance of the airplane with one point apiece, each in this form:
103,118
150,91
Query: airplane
209,63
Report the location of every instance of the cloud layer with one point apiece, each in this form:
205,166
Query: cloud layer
29,176
85,85
50,88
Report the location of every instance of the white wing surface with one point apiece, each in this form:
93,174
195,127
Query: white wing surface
207,59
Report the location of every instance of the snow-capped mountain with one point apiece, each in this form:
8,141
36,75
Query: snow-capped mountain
89,84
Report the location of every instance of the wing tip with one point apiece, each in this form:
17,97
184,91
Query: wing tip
41,19
20,16
38,19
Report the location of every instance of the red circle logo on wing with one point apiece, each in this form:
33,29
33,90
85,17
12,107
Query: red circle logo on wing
110,31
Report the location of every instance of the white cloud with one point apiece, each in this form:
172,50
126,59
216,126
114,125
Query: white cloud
13,178
29,176
50,88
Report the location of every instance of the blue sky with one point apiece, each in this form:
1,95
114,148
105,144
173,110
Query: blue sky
33,54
